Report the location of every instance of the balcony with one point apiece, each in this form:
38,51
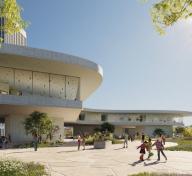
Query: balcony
138,123
35,100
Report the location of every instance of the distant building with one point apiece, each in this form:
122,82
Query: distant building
19,38
127,121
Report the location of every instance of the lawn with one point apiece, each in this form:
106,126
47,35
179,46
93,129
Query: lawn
183,145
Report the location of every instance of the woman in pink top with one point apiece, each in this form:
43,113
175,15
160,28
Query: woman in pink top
159,146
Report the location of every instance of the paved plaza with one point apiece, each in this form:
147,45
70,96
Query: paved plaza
114,161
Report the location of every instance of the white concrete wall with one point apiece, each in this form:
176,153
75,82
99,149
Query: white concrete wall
118,131
131,119
43,84
93,117
117,117
72,85
59,122
15,128
23,81
57,86
7,76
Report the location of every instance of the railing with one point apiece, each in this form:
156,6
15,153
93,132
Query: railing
138,123
5,90
147,123
38,101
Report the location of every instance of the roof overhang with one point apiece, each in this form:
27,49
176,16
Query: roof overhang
166,112
21,57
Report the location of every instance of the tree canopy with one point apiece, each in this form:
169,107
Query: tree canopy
10,11
164,13
158,131
39,123
167,12
179,130
107,127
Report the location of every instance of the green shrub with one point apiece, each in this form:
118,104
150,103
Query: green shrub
35,169
158,131
183,145
18,168
179,130
187,132
117,141
89,140
26,145
102,137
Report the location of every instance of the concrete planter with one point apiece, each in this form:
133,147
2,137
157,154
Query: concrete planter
102,144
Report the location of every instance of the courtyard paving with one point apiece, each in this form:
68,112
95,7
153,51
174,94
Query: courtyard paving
114,161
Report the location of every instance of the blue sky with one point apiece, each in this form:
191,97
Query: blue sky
142,70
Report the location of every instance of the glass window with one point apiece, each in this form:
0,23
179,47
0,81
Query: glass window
81,116
103,117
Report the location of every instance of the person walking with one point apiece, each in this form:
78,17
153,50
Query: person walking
125,140
142,137
35,141
149,148
4,142
79,142
83,142
159,146
163,139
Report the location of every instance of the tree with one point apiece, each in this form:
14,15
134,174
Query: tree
179,130
10,11
188,132
107,127
167,12
38,123
158,131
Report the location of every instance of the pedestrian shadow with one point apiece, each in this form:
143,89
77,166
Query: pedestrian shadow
90,148
120,148
153,163
136,162
69,151
20,152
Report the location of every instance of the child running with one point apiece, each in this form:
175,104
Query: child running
149,148
142,147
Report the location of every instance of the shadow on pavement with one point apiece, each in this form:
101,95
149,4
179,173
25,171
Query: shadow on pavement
153,163
20,152
69,151
136,162
120,148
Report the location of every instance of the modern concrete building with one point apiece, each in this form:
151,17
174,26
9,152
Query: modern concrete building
55,83
19,38
127,121
46,81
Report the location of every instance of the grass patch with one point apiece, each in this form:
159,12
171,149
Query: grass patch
183,145
18,168
157,174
